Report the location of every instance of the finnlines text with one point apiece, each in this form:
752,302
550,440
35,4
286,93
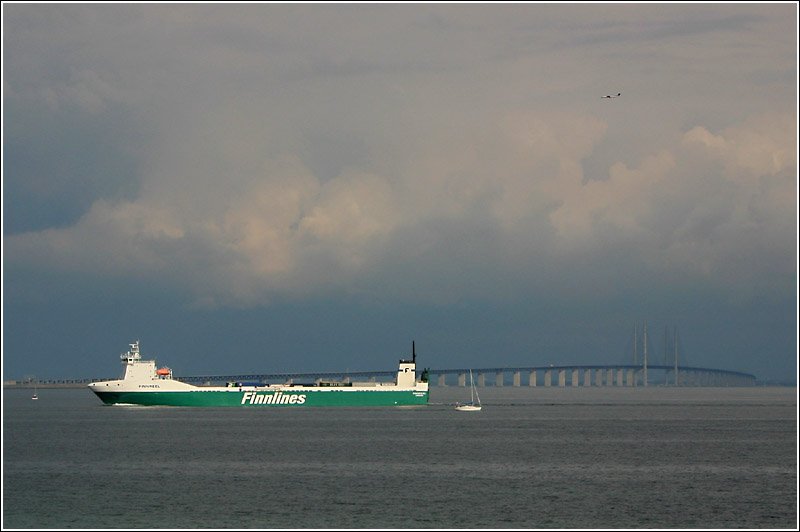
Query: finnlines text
253,398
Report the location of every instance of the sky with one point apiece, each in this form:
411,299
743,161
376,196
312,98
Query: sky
312,187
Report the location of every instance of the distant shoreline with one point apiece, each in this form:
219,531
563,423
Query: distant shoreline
42,386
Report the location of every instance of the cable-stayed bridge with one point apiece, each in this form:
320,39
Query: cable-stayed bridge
563,376
624,374
637,373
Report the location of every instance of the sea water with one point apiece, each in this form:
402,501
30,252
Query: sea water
651,457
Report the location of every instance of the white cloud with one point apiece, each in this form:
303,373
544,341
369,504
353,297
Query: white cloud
288,232
712,205
763,146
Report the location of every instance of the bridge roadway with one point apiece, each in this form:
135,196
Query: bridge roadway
592,375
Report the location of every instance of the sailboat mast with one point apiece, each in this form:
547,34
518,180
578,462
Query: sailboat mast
471,388
676,355
666,353
644,372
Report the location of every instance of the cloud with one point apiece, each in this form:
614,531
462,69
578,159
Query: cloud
711,205
294,151
285,231
762,146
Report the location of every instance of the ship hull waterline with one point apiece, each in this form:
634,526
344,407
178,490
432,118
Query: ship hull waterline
256,399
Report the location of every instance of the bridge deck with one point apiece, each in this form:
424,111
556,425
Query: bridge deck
732,376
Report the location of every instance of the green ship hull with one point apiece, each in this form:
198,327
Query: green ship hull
267,399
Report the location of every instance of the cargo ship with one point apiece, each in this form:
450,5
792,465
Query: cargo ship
144,384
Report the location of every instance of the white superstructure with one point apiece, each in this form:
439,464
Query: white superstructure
141,375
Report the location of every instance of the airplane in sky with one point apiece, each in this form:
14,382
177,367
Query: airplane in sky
610,96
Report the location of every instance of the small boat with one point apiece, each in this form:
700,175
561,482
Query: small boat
472,406
35,396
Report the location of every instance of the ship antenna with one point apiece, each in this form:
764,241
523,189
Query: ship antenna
413,352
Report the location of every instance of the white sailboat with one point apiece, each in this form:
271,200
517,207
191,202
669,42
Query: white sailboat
472,406
35,396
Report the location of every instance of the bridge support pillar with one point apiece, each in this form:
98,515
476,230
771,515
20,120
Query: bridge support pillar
598,377
619,377
574,382
481,380
498,380
516,379
631,378
562,378
532,380
587,377
462,379
610,377
441,380
548,377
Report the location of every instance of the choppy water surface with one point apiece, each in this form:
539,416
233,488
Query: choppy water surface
532,458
